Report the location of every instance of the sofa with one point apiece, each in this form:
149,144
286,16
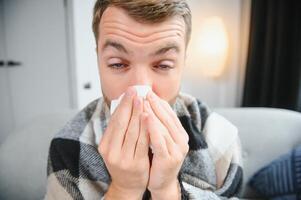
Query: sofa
265,133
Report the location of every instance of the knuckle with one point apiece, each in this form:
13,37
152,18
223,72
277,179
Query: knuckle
177,158
186,139
101,150
185,136
180,153
185,149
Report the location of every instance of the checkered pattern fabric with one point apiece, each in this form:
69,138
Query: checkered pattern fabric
212,168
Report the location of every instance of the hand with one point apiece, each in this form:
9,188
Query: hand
169,142
124,148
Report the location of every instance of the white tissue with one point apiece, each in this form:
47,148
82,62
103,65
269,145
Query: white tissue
142,91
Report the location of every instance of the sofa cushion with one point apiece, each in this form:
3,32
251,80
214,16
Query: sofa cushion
23,157
265,134
281,179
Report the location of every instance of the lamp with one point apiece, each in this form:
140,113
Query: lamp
210,48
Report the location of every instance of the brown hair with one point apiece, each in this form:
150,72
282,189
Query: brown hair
147,11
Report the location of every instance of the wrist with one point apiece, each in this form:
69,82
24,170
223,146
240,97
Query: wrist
115,192
173,191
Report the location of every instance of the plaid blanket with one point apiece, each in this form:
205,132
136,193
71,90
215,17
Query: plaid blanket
212,168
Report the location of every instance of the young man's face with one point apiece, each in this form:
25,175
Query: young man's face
132,53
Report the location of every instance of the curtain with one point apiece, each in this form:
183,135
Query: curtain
273,71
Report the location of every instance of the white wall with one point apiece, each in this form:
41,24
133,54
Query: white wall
221,92
85,53
224,91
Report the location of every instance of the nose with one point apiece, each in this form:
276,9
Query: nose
141,76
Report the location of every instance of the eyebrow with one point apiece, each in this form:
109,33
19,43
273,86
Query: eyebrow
116,45
167,47
162,50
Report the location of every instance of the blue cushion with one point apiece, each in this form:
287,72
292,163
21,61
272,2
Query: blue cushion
281,179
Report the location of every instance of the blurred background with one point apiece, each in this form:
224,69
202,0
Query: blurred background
244,62
242,53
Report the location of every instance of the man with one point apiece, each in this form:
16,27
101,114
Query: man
99,155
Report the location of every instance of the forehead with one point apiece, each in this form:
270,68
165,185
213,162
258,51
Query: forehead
116,23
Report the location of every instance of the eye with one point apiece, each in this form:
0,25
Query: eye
117,66
165,65
117,63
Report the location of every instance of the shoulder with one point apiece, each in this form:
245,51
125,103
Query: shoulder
194,108
67,146
73,129
211,125
219,131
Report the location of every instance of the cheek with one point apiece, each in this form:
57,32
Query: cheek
112,86
167,88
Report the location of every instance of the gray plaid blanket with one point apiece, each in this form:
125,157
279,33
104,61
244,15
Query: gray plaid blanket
212,168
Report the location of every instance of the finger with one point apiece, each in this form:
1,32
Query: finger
160,140
171,112
175,119
120,120
142,146
184,144
132,133
103,144
164,117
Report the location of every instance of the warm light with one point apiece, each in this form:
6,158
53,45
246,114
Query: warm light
211,47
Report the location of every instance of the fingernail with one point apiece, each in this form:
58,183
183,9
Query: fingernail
138,101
